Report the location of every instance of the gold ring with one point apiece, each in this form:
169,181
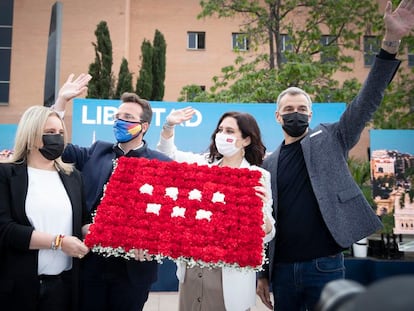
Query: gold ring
80,256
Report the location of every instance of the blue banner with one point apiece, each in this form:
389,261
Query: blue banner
7,133
92,120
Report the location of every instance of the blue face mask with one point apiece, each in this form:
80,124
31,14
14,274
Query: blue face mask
125,131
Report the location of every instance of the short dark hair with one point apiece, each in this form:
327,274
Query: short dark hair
145,105
255,152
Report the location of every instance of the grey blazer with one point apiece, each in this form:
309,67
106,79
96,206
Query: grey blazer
344,208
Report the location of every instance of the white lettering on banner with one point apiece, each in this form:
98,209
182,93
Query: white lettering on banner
157,114
102,117
197,121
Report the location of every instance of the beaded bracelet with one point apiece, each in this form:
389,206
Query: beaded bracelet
168,126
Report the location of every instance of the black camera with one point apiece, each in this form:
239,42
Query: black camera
390,294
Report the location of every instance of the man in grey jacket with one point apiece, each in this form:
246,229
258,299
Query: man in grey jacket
319,209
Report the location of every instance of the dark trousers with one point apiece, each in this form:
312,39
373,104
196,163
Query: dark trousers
297,286
106,286
55,292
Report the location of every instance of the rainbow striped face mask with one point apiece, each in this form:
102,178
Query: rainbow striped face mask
125,131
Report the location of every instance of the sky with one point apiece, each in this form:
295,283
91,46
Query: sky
400,140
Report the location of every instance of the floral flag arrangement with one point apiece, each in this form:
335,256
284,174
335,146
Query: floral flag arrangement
209,216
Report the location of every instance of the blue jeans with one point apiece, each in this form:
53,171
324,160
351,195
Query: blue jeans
297,286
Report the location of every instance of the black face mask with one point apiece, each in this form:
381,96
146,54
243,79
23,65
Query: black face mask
53,146
295,123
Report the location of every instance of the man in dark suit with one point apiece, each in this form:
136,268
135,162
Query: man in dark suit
112,283
319,209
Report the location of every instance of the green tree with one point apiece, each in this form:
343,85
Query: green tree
158,66
124,79
397,109
144,82
102,84
296,55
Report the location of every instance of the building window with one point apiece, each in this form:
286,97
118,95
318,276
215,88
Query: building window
194,91
196,40
6,22
286,46
411,55
240,42
371,48
330,47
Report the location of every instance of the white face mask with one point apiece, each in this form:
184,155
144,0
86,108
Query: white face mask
226,144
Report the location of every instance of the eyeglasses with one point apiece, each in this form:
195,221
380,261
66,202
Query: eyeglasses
126,117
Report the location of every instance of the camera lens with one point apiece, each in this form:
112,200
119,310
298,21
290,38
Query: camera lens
338,292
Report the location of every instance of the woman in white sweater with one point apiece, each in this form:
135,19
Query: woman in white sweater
236,142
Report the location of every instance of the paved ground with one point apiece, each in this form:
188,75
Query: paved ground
168,301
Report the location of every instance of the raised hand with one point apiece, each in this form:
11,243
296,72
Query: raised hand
73,88
400,22
177,116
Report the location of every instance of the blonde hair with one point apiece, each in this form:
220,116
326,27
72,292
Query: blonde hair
29,130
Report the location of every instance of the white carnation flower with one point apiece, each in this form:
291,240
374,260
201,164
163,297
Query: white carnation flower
203,214
153,208
194,195
218,197
178,212
146,188
171,192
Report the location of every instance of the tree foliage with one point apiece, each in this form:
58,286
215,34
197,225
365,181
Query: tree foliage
144,82
102,84
292,31
397,109
158,66
296,56
124,79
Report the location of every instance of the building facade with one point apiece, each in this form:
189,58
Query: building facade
197,49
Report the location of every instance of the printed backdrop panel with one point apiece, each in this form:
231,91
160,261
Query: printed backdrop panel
92,120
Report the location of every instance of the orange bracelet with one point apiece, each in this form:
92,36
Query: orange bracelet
57,243
59,246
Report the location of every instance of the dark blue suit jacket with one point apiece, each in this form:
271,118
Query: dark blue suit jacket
96,165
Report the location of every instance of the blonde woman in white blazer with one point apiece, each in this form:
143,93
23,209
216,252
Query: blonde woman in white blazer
236,142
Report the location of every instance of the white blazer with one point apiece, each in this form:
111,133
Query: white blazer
239,287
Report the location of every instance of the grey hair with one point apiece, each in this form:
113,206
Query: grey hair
293,90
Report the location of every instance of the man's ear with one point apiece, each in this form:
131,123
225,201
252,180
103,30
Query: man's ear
310,117
278,117
145,127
